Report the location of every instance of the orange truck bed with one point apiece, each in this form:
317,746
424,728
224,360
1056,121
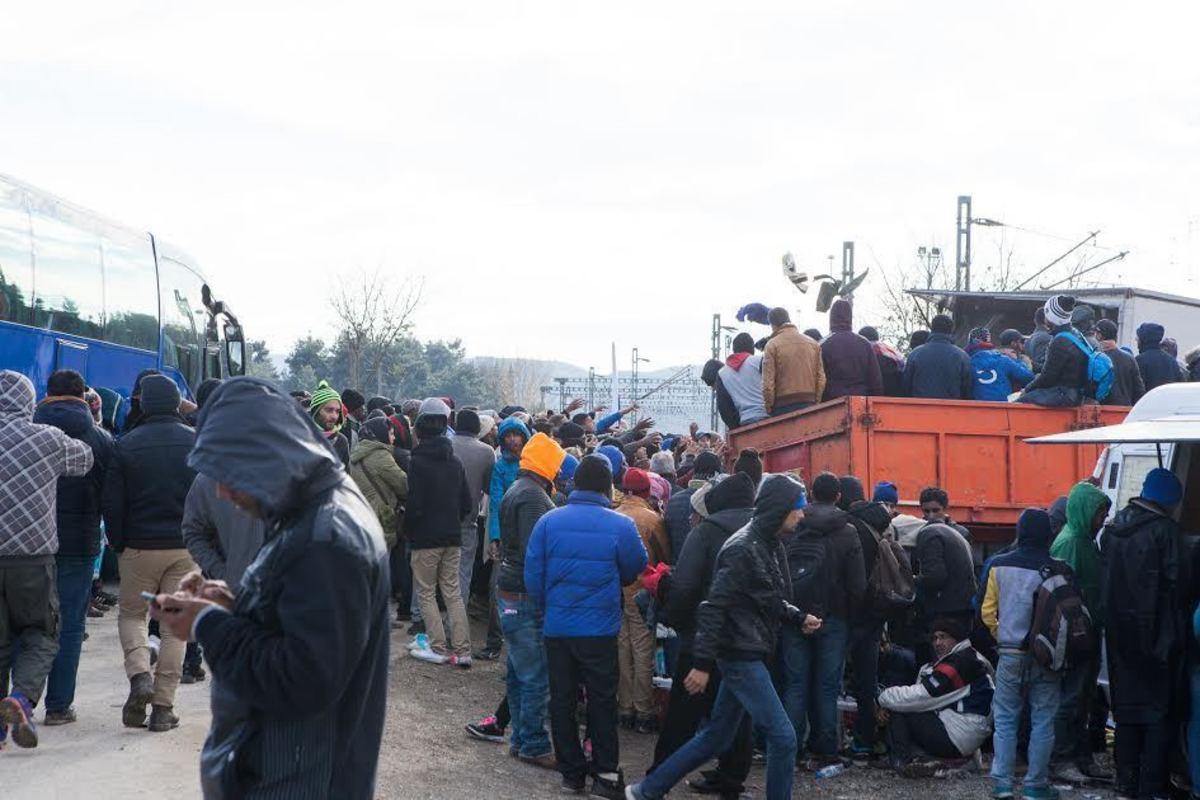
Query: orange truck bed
973,450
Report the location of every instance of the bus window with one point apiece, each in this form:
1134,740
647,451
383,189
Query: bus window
16,259
67,282
130,292
183,318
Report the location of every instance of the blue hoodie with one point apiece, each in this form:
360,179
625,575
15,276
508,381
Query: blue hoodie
503,474
997,375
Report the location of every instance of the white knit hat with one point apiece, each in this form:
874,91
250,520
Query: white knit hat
1058,309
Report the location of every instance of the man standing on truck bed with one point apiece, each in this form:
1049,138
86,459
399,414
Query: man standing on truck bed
793,375
851,367
939,369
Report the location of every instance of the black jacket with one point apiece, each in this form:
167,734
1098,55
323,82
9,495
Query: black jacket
848,578
300,665
438,497
1145,631
868,520
525,502
730,506
1158,366
1066,365
945,572
147,484
678,518
939,369
78,503
1128,386
748,597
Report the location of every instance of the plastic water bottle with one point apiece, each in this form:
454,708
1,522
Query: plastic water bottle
830,771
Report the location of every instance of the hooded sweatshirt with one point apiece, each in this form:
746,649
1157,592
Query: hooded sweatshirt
32,458
742,378
851,367
504,472
1076,543
1157,365
1012,581
997,375
300,663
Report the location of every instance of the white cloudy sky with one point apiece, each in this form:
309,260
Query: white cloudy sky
568,174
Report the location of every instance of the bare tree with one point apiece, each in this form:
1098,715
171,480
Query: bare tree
373,316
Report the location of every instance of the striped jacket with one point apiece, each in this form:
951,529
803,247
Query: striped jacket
32,459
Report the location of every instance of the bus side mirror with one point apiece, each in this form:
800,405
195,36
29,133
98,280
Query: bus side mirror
235,350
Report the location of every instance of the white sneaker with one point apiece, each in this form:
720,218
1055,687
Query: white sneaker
424,654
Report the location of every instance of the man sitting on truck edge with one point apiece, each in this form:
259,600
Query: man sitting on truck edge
996,374
939,369
1128,386
1064,378
793,375
741,380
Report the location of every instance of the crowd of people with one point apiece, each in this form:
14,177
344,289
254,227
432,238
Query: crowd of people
1070,358
630,578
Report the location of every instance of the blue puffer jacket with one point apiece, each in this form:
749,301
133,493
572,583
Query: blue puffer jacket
997,375
503,474
578,559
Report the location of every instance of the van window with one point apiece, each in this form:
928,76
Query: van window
1187,467
16,258
1134,469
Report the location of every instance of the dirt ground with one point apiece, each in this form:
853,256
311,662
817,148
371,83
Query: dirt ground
425,752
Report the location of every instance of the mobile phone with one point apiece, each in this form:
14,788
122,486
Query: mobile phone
150,597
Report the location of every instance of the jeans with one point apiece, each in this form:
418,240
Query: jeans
686,711
527,678
29,624
1021,681
74,595
745,689
1193,730
590,661
1142,753
1071,743
466,567
813,668
863,654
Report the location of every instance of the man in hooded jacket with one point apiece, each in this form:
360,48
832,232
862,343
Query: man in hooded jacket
32,459
1144,635
1076,547
1158,367
737,629
300,658
729,506
851,367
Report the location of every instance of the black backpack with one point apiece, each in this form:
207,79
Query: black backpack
1061,632
810,566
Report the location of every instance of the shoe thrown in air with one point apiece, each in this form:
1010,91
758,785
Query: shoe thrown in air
17,711
486,730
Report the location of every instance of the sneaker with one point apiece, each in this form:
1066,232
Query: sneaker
634,792
162,719
1068,773
141,690
1040,793
486,730
1002,791
545,760
575,785
94,611
196,675
488,654
462,662
64,717
17,711
106,598
646,724
1095,771
609,785
425,654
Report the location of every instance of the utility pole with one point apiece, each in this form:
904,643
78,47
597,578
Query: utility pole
591,388
848,266
716,354
962,245
562,393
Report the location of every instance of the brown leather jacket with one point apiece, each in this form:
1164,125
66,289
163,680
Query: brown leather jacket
653,531
792,370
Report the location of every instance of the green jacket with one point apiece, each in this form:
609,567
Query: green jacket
382,482
1076,543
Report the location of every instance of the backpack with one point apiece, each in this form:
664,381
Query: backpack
1061,633
1100,372
890,586
810,566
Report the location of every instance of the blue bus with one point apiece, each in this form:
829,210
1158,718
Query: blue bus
80,292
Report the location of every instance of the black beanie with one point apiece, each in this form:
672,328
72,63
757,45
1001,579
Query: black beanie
160,395
706,464
352,399
959,628
205,389
468,422
375,429
750,462
594,475
570,434
743,343
372,404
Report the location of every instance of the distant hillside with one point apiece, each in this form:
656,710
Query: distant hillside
544,369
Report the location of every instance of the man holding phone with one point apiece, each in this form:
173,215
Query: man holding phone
299,660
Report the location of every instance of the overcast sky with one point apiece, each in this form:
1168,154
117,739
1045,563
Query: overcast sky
568,174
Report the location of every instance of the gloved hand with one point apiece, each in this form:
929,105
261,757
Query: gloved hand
652,575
